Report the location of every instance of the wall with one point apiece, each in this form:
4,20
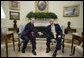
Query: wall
25,7
57,8
54,6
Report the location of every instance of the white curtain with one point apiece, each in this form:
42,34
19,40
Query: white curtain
2,13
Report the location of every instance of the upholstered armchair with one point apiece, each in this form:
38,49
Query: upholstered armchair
19,36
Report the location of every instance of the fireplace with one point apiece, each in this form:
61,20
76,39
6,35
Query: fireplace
41,26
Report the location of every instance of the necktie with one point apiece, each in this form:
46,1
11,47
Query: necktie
53,31
32,26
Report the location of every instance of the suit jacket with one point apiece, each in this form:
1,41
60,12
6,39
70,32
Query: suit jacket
57,28
28,29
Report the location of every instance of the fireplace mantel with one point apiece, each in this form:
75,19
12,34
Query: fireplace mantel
41,24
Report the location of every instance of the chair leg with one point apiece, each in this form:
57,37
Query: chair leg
18,42
19,47
63,50
73,50
63,46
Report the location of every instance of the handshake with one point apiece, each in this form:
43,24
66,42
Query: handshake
40,33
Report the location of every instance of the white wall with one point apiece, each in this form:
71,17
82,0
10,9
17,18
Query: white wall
54,6
25,7
57,8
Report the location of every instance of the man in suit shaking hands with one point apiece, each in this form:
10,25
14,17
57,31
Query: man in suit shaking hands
53,32
28,34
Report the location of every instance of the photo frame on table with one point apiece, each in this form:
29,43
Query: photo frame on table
71,11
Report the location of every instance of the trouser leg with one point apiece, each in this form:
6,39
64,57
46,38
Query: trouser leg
25,41
48,43
33,42
58,45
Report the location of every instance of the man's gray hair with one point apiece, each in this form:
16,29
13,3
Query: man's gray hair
52,19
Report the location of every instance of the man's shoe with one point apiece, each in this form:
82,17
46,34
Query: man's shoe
34,52
48,50
23,51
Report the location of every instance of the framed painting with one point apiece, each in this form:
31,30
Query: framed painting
71,11
14,5
14,15
41,6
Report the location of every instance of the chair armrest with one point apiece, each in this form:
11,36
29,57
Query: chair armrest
63,36
19,36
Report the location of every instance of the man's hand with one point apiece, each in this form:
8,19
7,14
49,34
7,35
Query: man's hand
59,36
40,33
32,32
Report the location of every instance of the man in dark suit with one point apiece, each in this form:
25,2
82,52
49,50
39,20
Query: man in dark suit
28,34
53,32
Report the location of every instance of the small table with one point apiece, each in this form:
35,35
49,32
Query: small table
69,30
6,36
76,36
13,29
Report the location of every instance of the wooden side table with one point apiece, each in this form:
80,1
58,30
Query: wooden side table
76,36
69,30
13,29
5,37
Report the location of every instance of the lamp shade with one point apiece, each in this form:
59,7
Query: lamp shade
2,13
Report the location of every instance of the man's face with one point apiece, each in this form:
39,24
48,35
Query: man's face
51,21
32,20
